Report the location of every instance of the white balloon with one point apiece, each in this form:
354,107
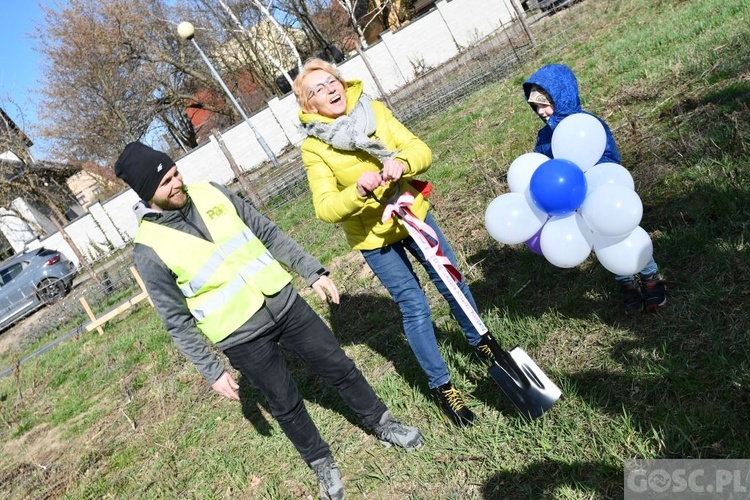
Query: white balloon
510,219
624,255
521,170
566,241
608,173
580,138
612,210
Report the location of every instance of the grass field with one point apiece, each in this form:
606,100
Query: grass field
124,415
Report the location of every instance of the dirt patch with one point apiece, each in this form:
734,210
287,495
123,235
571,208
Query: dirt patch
41,446
11,338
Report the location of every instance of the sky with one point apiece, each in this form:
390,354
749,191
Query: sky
19,64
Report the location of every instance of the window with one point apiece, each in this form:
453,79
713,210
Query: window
10,272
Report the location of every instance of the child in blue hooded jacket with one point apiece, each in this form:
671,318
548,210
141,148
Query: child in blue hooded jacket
552,92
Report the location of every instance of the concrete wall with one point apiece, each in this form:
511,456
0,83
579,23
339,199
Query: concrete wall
396,60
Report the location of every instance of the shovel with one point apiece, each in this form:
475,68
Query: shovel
530,390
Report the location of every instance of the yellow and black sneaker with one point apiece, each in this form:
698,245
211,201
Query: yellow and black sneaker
453,406
484,353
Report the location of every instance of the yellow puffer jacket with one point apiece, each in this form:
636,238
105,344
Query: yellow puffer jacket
333,173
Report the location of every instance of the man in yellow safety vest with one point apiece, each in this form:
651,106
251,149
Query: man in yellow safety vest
212,265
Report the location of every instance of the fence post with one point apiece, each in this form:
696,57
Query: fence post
246,187
522,19
365,60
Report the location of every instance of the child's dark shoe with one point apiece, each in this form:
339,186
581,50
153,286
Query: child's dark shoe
655,291
632,296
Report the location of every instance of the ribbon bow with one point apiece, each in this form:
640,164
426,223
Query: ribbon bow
422,233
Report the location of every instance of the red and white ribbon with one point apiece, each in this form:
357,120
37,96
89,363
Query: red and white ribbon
426,233
447,272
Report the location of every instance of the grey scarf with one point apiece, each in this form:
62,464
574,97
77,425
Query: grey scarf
351,132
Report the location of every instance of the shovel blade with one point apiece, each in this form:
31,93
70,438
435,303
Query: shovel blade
525,384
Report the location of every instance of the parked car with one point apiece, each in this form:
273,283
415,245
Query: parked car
31,280
554,5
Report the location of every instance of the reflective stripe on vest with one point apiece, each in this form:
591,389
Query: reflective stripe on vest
230,289
200,280
225,281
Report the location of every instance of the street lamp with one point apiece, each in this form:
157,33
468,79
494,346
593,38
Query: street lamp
187,32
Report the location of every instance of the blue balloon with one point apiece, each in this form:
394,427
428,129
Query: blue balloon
558,187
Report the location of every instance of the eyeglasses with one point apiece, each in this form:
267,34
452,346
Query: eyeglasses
319,88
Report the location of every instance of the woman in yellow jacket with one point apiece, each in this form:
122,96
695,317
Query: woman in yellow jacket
355,147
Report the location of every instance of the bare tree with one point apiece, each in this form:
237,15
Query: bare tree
224,35
267,50
326,24
95,87
114,72
308,15
362,13
22,177
30,189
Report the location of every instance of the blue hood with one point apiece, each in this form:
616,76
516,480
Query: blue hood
561,85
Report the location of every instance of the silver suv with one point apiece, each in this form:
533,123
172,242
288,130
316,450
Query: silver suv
554,5
30,280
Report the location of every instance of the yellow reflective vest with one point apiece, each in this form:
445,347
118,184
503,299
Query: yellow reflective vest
225,281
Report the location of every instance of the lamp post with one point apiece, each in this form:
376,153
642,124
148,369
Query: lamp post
187,32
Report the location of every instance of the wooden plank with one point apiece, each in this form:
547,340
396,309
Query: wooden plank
91,315
96,323
139,280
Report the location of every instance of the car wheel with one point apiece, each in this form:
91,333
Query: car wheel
51,290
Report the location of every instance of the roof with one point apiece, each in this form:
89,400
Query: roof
8,127
14,169
421,6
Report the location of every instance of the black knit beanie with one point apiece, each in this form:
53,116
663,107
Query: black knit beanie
142,168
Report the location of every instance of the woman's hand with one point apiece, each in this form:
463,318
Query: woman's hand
392,171
367,182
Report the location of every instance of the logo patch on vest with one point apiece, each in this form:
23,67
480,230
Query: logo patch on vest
216,211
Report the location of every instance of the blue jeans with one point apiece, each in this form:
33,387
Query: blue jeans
651,268
392,266
262,362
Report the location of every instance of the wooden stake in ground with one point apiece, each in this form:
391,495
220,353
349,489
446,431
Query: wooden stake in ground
365,60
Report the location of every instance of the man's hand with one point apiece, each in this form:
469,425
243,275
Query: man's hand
226,386
324,284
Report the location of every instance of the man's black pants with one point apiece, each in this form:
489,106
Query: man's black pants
262,362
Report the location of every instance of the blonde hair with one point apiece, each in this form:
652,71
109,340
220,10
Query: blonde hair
312,64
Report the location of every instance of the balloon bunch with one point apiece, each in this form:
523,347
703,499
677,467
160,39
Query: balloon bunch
562,208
